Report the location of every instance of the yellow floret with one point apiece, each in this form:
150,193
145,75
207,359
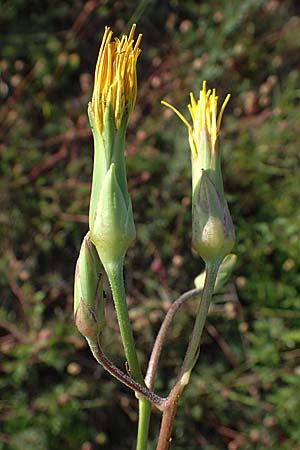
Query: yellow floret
115,77
204,114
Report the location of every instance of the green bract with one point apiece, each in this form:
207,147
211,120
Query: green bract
212,229
111,217
113,227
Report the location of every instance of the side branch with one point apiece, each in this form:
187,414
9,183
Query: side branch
160,338
102,359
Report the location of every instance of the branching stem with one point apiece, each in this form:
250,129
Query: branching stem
165,435
115,275
160,338
122,377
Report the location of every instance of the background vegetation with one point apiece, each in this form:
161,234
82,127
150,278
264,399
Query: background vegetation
244,393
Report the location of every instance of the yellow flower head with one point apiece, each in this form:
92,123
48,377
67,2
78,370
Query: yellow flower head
205,117
115,77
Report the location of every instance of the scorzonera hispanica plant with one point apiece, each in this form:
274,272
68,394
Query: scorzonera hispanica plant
112,228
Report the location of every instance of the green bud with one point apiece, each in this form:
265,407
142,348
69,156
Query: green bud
88,291
223,276
212,231
113,228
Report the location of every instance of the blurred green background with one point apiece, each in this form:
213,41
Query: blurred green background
245,390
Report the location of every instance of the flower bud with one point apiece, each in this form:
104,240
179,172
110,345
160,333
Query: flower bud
115,88
212,228
213,232
115,78
88,291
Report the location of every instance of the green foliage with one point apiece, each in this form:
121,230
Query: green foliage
244,393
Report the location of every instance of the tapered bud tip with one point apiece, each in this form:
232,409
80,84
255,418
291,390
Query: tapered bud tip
88,291
208,199
112,172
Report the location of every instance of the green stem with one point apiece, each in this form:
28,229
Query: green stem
115,275
143,425
208,290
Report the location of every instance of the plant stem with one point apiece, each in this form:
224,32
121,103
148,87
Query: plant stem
121,376
143,425
165,438
160,338
208,290
115,275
